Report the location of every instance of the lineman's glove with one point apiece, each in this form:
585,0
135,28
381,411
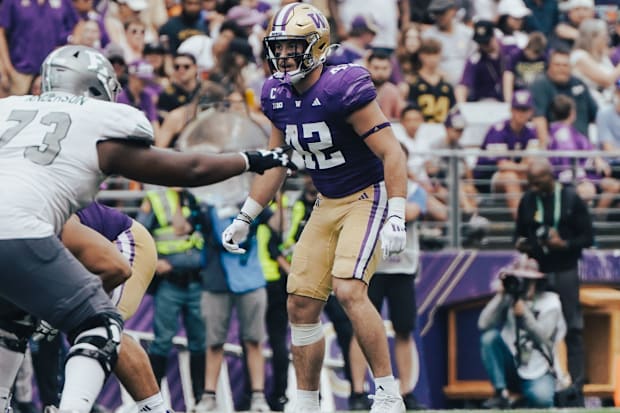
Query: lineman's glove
44,331
394,234
261,160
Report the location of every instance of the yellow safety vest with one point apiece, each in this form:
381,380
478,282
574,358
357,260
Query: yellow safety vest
271,269
165,204
298,214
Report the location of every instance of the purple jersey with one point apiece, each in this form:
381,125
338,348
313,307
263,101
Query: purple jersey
565,137
615,56
315,125
107,221
501,137
483,76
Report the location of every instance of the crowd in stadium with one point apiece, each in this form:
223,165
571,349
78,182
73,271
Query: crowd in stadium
552,66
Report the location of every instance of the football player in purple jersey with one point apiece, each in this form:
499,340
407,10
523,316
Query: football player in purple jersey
122,253
330,116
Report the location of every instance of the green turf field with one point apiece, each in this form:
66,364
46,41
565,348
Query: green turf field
597,410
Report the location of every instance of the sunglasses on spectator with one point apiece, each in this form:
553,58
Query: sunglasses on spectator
186,66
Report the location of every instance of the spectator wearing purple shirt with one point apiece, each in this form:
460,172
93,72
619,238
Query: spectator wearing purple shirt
135,93
482,76
585,173
357,46
29,31
507,172
86,12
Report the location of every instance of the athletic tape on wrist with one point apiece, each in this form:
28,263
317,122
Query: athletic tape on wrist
251,209
396,207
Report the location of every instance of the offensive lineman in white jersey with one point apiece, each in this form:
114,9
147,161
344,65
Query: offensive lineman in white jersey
55,149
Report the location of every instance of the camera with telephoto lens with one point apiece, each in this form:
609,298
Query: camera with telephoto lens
515,286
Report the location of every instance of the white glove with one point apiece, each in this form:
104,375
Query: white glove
44,331
235,234
394,234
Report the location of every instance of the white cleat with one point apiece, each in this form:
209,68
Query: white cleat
387,403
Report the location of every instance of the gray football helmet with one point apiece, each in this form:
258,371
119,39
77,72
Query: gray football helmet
80,70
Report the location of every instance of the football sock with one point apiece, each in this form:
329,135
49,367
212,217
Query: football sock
308,399
84,379
387,384
153,404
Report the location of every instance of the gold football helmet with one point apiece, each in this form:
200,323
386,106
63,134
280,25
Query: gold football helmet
301,22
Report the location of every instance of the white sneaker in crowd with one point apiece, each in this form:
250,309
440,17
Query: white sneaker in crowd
207,403
258,403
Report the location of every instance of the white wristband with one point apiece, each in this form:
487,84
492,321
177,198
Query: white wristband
251,208
396,207
247,161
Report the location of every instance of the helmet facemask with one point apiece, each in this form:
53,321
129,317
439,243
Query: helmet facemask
305,61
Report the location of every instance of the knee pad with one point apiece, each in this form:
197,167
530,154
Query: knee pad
306,334
98,338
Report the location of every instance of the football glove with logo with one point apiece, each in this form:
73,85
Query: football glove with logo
238,231
261,160
394,233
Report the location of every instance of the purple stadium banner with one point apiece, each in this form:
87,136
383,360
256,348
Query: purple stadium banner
447,277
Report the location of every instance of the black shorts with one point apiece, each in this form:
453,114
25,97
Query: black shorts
399,291
41,277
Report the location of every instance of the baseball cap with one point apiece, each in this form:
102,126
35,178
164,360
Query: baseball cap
135,5
245,16
513,8
141,69
522,99
522,267
455,119
437,6
483,31
154,48
572,4
363,23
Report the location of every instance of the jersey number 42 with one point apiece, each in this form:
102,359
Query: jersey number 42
315,145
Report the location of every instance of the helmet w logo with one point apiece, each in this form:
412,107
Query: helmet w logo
318,20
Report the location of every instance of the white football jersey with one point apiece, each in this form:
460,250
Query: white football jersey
49,165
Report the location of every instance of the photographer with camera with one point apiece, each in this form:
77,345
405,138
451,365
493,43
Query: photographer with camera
521,326
553,227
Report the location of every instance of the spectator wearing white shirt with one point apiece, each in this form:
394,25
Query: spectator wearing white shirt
590,60
455,37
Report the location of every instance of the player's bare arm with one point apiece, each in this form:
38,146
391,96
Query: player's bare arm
96,253
265,187
170,168
385,145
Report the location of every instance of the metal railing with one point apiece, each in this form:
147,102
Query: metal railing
491,205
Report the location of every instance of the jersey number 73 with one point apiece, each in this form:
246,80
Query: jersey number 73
48,150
